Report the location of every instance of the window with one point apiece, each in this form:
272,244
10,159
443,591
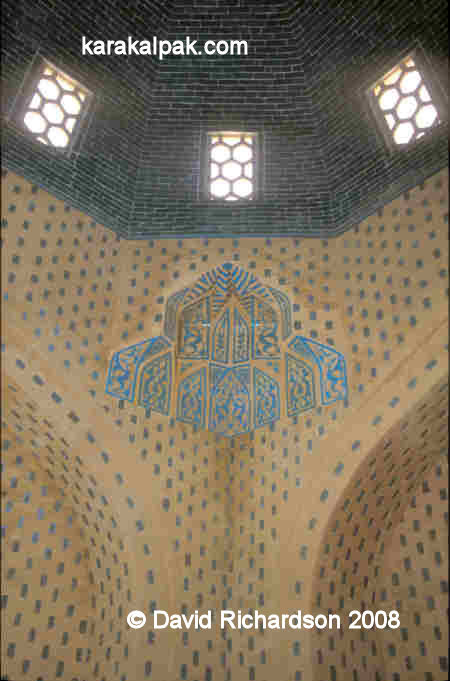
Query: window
51,106
231,166
405,101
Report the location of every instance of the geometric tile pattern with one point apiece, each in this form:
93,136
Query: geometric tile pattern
191,398
267,399
229,412
300,386
156,379
124,366
333,378
234,327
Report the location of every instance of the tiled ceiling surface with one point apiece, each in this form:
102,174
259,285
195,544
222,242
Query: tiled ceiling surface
301,86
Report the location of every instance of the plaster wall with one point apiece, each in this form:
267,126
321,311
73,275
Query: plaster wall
170,518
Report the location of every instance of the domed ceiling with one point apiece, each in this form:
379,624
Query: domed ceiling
301,87
206,423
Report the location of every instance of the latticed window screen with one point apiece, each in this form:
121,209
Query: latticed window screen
403,103
52,106
230,171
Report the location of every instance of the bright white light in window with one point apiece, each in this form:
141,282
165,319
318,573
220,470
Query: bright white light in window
70,124
220,188
424,94
410,81
426,116
48,89
231,168
220,153
58,137
403,133
404,102
71,104
407,107
242,153
389,99
35,102
243,187
53,113
35,122
390,120
54,108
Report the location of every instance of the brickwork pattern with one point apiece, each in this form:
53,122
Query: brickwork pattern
168,517
301,87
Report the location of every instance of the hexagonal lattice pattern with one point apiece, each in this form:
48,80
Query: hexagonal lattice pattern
55,107
405,102
231,161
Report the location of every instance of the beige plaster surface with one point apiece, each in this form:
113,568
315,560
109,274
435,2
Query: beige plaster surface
247,521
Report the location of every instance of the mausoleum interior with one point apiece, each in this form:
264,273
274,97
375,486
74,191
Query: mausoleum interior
224,339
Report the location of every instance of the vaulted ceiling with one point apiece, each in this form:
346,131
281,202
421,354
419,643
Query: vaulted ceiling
301,86
113,505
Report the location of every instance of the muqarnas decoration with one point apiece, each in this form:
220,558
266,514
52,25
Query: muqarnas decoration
227,362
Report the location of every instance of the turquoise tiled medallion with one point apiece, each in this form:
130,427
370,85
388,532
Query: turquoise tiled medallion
227,362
